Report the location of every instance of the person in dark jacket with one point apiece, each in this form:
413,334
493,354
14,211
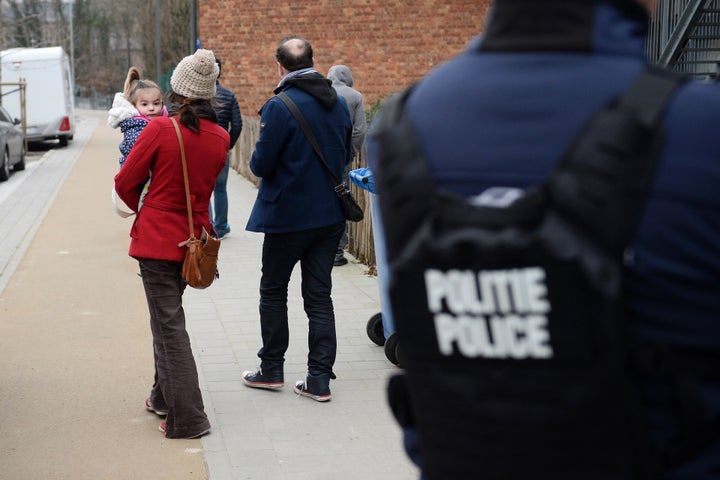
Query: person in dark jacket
503,112
300,214
229,118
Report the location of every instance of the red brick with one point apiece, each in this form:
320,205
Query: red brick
386,45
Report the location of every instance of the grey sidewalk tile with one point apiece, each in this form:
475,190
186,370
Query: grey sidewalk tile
228,402
218,350
225,375
219,465
225,386
262,464
215,359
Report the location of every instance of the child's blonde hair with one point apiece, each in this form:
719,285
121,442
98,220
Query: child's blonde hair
133,84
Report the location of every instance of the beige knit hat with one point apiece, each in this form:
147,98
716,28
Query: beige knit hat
195,75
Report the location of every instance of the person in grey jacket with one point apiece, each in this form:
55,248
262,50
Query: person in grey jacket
342,82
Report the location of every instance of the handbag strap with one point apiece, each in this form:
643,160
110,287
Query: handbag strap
337,184
185,178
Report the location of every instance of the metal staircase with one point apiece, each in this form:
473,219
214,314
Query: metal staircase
685,36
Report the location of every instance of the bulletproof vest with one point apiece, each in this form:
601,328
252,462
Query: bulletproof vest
509,315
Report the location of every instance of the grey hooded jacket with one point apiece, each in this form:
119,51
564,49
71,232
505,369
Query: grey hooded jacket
342,81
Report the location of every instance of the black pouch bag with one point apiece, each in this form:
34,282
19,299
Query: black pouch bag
350,207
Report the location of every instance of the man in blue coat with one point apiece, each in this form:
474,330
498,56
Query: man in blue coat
502,113
299,213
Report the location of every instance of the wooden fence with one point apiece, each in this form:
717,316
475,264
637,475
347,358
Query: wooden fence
360,234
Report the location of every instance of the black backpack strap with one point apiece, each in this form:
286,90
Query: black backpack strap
602,181
402,178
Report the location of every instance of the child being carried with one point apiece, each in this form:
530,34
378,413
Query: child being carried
132,109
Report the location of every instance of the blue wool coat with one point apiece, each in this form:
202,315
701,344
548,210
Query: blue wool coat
295,192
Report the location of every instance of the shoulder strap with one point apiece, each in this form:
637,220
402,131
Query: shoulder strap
309,134
186,180
403,180
602,181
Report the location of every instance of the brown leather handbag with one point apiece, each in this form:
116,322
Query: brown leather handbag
199,268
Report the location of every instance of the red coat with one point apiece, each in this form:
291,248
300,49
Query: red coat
162,222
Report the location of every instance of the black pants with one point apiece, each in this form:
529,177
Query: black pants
176,380
315,250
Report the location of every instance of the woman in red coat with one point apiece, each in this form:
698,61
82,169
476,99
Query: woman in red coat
163,223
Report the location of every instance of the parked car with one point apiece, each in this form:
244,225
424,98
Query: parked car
12,145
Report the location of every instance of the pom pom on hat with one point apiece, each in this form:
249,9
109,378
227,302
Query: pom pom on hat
195,75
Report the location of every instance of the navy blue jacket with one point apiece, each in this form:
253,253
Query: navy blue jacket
502,114
228,113
296,192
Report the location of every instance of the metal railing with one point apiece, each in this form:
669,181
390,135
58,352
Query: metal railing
685,36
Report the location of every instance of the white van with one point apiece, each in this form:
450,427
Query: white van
49,92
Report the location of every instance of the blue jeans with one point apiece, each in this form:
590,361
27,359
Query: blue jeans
220,199
315,250
176,380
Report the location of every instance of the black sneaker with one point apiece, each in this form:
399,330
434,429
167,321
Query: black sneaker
316,387
340,260
271,380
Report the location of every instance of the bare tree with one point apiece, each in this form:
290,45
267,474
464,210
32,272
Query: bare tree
174,37
26,30
108,35
91,46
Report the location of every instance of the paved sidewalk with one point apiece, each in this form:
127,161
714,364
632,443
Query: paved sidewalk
75,351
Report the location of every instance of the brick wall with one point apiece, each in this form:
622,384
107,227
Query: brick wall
387,45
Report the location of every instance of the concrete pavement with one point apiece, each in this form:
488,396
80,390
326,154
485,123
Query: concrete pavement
76,357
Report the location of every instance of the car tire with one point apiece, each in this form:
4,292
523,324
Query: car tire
5,166
63,141
20,166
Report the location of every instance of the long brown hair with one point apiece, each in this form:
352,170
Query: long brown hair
191,110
